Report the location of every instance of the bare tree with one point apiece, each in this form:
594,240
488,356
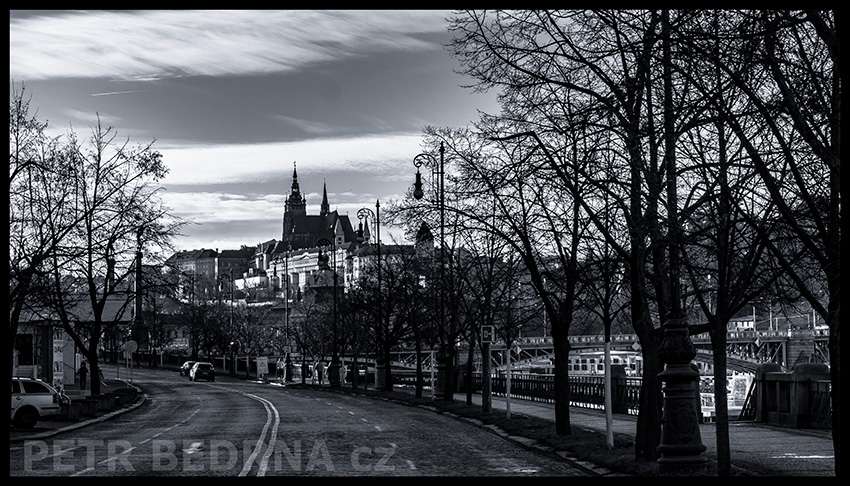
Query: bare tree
785,72
561,69
35,203
113,210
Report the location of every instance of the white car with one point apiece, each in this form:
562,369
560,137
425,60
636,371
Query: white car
32,400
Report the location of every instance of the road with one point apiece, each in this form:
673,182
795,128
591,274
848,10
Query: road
235,428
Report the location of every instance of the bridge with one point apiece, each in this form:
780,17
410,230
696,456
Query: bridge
745,350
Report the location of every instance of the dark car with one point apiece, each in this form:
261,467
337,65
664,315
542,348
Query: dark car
186,368
202,371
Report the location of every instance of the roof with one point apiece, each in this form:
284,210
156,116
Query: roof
244,252
81,311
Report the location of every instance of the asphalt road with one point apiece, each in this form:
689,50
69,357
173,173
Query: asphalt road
235,428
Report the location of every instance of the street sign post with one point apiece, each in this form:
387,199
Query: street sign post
486,379
487,334
129,348
262,366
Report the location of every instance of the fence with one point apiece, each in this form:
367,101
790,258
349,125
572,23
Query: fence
585,391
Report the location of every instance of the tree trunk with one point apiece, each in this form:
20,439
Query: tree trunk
561,343
469,370
419,377
833,321
388,369
449,384
648,428
721,408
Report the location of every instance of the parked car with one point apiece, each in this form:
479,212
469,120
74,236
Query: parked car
202,371
33,400
186,368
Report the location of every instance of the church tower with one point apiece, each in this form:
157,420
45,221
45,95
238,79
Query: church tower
302,230
296,205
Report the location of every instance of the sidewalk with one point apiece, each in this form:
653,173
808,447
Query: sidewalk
48,427
760,449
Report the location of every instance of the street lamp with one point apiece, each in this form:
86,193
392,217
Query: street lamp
419,193
366,213
333,370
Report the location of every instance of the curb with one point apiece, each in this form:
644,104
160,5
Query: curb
79,424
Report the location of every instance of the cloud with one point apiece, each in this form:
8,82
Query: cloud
217,207
153,44
90,119
309,127
113,93
217,164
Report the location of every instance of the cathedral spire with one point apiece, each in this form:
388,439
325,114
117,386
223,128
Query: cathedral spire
295,188
326,208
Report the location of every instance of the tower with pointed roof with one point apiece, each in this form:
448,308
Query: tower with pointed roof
326,208
301,230
296,204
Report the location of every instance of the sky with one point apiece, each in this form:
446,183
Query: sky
234,100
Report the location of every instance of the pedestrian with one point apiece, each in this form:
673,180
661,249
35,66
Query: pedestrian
83,373
279,368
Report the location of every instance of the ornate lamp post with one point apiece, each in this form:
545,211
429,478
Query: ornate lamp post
333,369
681,446
419,193
366,213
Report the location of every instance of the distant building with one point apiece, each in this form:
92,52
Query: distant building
234,262
297,251
302,230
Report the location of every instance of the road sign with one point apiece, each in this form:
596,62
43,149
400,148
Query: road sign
486,334
262,366
130,346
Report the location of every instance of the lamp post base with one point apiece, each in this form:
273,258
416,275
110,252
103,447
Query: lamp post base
287,371
681,445
333,371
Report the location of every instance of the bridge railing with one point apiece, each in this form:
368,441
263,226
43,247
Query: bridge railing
585,391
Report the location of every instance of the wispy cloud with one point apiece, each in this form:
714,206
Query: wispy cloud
154,44
117,93
89,118
199,165
307,126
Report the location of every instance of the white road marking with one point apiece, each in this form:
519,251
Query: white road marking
270,410
195,447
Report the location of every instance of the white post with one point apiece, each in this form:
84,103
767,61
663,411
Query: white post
508,387
609,418
432,375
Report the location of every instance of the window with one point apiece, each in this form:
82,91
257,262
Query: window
24,347
34,387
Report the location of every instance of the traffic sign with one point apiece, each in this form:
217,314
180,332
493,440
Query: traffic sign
262,366
486,334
